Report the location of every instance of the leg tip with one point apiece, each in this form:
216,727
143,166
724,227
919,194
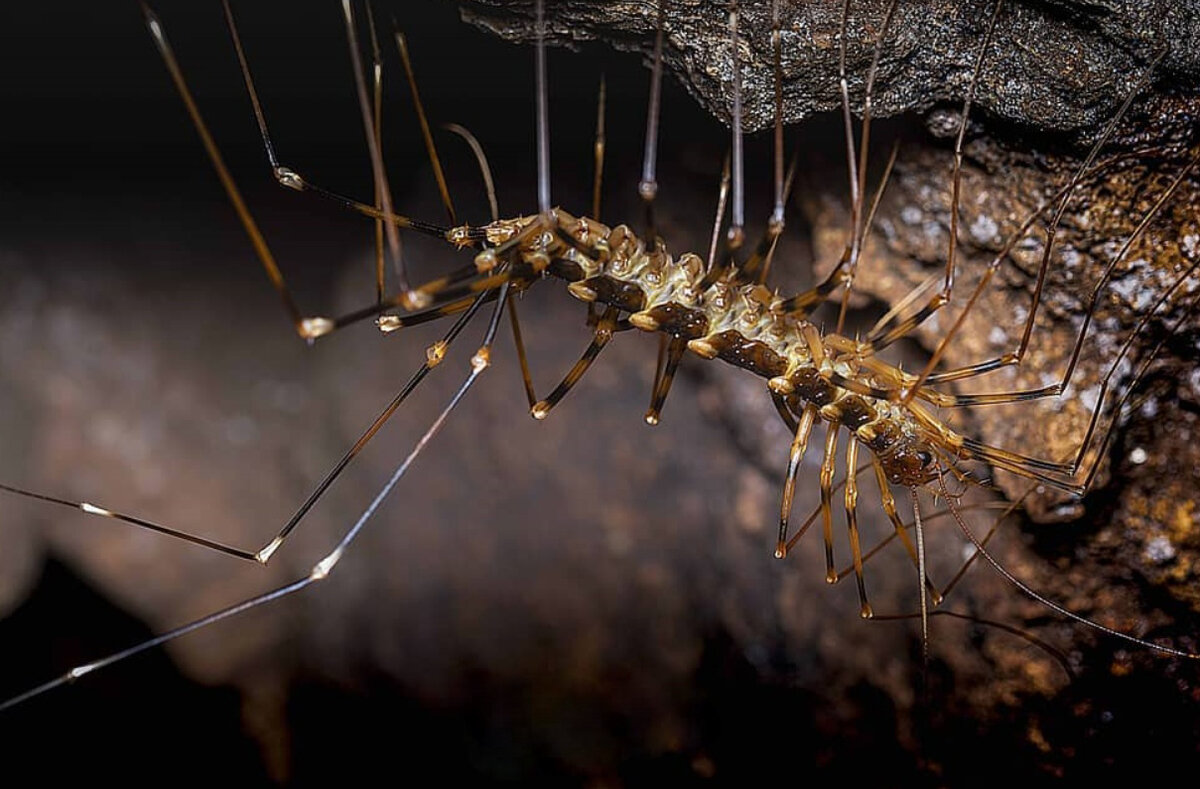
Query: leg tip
415,300
312,328
388,323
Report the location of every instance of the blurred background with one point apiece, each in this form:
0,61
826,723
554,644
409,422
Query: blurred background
583,601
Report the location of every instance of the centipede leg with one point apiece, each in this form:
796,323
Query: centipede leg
803,430
383,191
480,362
758,264
542,113
430,147
660,362
852,523
598,148
785,413
522,356
377,131
674,353
648,186
1060,201
308,328
1048,472
604,332
737,217
827,468
885,336
858,191
263,555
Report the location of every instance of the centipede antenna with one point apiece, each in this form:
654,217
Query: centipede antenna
1050,604
482,160
598,150
902,528
737,233
921,576
899,530
426,134
1057,654
543,115
377,169
814,374
1009,510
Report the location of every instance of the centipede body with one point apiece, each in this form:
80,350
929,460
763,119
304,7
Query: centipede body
683,565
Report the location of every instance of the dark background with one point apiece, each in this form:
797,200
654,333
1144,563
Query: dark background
580,601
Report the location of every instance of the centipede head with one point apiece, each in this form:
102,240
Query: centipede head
911,463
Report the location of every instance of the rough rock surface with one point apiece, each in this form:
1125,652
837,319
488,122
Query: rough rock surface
1056,65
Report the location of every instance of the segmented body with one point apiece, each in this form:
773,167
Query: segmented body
744,324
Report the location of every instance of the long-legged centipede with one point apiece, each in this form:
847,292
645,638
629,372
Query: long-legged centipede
466,546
